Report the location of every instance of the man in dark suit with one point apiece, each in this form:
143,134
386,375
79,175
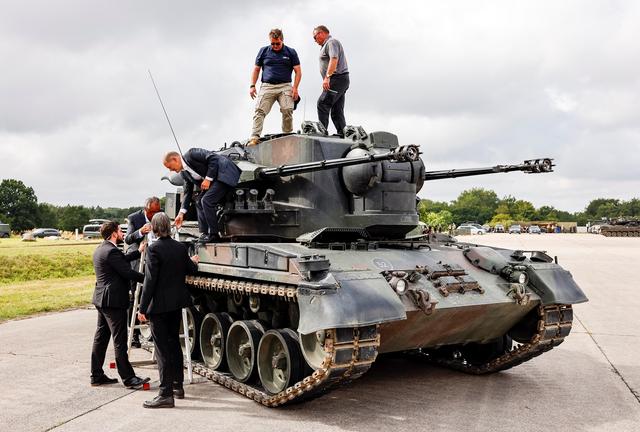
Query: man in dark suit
111,299
138,228
214,174
164,294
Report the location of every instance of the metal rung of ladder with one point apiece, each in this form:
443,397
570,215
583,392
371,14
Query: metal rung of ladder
133,326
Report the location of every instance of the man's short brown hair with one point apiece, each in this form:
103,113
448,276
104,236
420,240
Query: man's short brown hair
276,34
322,29
108,228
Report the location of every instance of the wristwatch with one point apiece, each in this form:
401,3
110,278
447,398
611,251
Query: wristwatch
252,86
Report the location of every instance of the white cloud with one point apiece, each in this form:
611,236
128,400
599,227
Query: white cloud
474,83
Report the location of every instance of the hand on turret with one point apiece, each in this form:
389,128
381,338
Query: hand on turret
178,220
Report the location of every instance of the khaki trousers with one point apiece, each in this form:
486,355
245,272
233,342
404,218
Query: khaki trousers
268,94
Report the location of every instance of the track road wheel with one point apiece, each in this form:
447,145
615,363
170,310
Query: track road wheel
280,361
213,337
241,349
478,354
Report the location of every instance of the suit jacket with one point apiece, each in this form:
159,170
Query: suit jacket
207,164
136,221
113,273
166,266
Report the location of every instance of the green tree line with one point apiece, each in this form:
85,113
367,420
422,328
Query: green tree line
483,206
19,208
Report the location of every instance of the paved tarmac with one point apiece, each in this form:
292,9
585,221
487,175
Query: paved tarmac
589,383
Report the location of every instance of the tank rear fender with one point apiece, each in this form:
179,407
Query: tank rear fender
554,284
362,298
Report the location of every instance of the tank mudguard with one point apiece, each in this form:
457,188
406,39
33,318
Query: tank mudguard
554,285
360,299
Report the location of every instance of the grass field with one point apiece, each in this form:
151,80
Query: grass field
44,276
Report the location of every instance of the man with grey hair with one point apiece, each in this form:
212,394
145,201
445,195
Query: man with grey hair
335,79
164,294
138,229
276,61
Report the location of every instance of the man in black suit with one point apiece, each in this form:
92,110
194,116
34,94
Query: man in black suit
111,299
164,294
214,174
137,230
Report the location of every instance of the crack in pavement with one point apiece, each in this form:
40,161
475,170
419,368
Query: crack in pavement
88,411
615,369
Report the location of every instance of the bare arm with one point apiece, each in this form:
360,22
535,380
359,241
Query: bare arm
297,70
254,79
331,68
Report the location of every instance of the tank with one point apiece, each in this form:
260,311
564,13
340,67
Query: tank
316,275
617,227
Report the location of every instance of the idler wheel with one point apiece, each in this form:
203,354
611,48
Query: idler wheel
241,348
280,362
312,346
213,337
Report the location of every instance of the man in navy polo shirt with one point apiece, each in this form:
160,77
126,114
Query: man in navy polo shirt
277,61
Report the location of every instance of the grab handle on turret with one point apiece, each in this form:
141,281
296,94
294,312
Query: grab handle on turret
407,153
531,166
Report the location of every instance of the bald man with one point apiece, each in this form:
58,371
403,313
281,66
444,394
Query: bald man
215,175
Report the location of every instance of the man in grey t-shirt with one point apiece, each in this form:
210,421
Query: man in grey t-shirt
335,73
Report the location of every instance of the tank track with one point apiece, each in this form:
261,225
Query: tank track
620,231
554,324
350,352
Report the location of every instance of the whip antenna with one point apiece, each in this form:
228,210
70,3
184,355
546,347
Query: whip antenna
165,112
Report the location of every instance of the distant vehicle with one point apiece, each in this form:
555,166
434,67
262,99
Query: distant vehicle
499,228
472,229
5,230
91,231
98,221
535,229
515,229
45,232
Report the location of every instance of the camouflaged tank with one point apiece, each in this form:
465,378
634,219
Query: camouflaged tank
315,276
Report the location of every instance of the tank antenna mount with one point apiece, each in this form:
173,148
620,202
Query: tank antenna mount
165,113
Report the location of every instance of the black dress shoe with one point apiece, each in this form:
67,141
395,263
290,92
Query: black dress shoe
135,382
178,393
208,238
160,402
102,380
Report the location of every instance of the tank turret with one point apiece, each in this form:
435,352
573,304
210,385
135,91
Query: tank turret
363,184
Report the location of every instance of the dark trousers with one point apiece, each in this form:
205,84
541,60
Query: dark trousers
165,329
207,203
332,102
111,321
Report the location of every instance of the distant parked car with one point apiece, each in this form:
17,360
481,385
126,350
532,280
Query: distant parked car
515,229
5,230
91,231
472,229
45,232
535,229
499,228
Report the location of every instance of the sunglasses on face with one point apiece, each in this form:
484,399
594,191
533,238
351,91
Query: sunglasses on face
276,43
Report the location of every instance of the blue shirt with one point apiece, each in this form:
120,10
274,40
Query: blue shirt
277,65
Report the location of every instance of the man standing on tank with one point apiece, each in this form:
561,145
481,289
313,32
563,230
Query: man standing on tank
335,79
164,294
276,61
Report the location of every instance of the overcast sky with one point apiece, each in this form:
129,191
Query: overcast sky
474,83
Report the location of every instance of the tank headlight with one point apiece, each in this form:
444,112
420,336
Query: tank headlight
522,279
401,286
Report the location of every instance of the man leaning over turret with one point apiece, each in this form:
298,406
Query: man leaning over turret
276,61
